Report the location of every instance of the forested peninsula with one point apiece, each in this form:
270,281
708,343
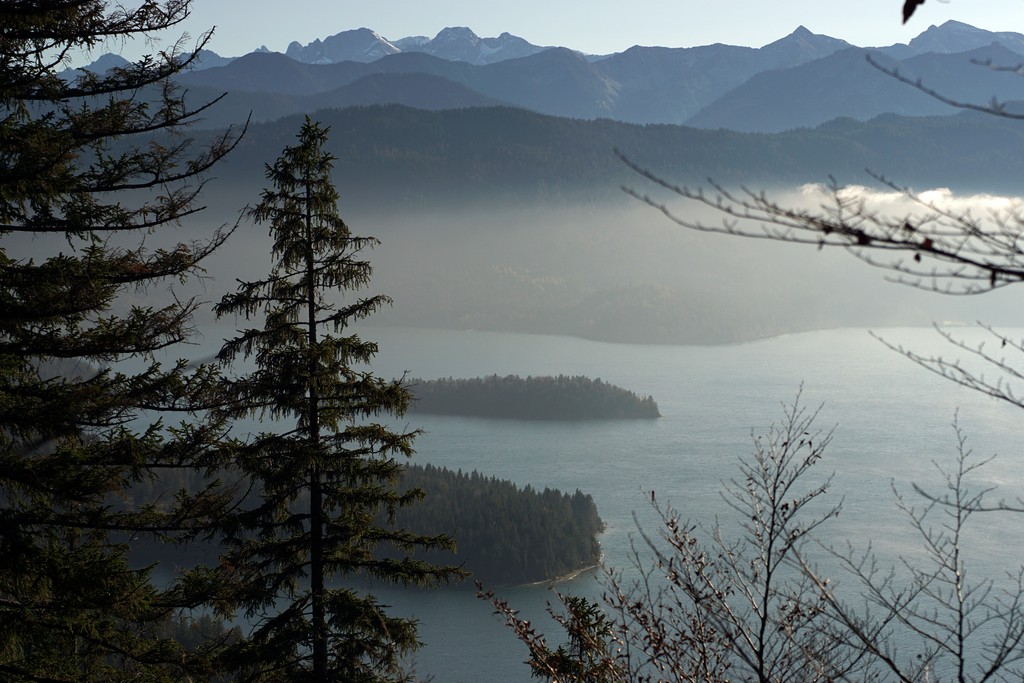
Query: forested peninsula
504,534
533,398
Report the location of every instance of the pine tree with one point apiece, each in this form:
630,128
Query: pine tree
321,481
84,179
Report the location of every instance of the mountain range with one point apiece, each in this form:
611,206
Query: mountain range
495,188
801,80
639,85
456,43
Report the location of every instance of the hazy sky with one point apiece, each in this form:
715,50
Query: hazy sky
595,26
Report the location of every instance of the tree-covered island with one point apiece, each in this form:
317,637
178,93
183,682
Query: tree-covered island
534,398
504,533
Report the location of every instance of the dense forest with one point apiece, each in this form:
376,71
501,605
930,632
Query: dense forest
504,534
534,398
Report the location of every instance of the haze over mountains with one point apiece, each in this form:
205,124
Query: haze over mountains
486,167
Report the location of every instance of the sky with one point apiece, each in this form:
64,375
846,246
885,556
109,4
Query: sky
595,26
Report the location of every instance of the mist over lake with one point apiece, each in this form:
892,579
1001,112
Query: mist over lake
893,421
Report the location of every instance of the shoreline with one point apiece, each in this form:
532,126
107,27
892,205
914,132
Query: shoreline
562,578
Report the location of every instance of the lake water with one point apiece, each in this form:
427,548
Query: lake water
892,419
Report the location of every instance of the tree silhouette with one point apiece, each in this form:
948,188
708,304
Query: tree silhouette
322,480
91,166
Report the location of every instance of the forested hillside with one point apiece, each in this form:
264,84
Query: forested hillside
415,157
533,398
504,534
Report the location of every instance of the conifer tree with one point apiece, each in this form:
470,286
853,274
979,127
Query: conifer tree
87,173
322,478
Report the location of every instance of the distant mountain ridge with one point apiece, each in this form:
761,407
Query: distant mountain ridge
953,37
459,43
803,79
846,84
487,153
455,43
359,45
640,85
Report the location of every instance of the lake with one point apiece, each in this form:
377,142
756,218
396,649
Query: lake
892,419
